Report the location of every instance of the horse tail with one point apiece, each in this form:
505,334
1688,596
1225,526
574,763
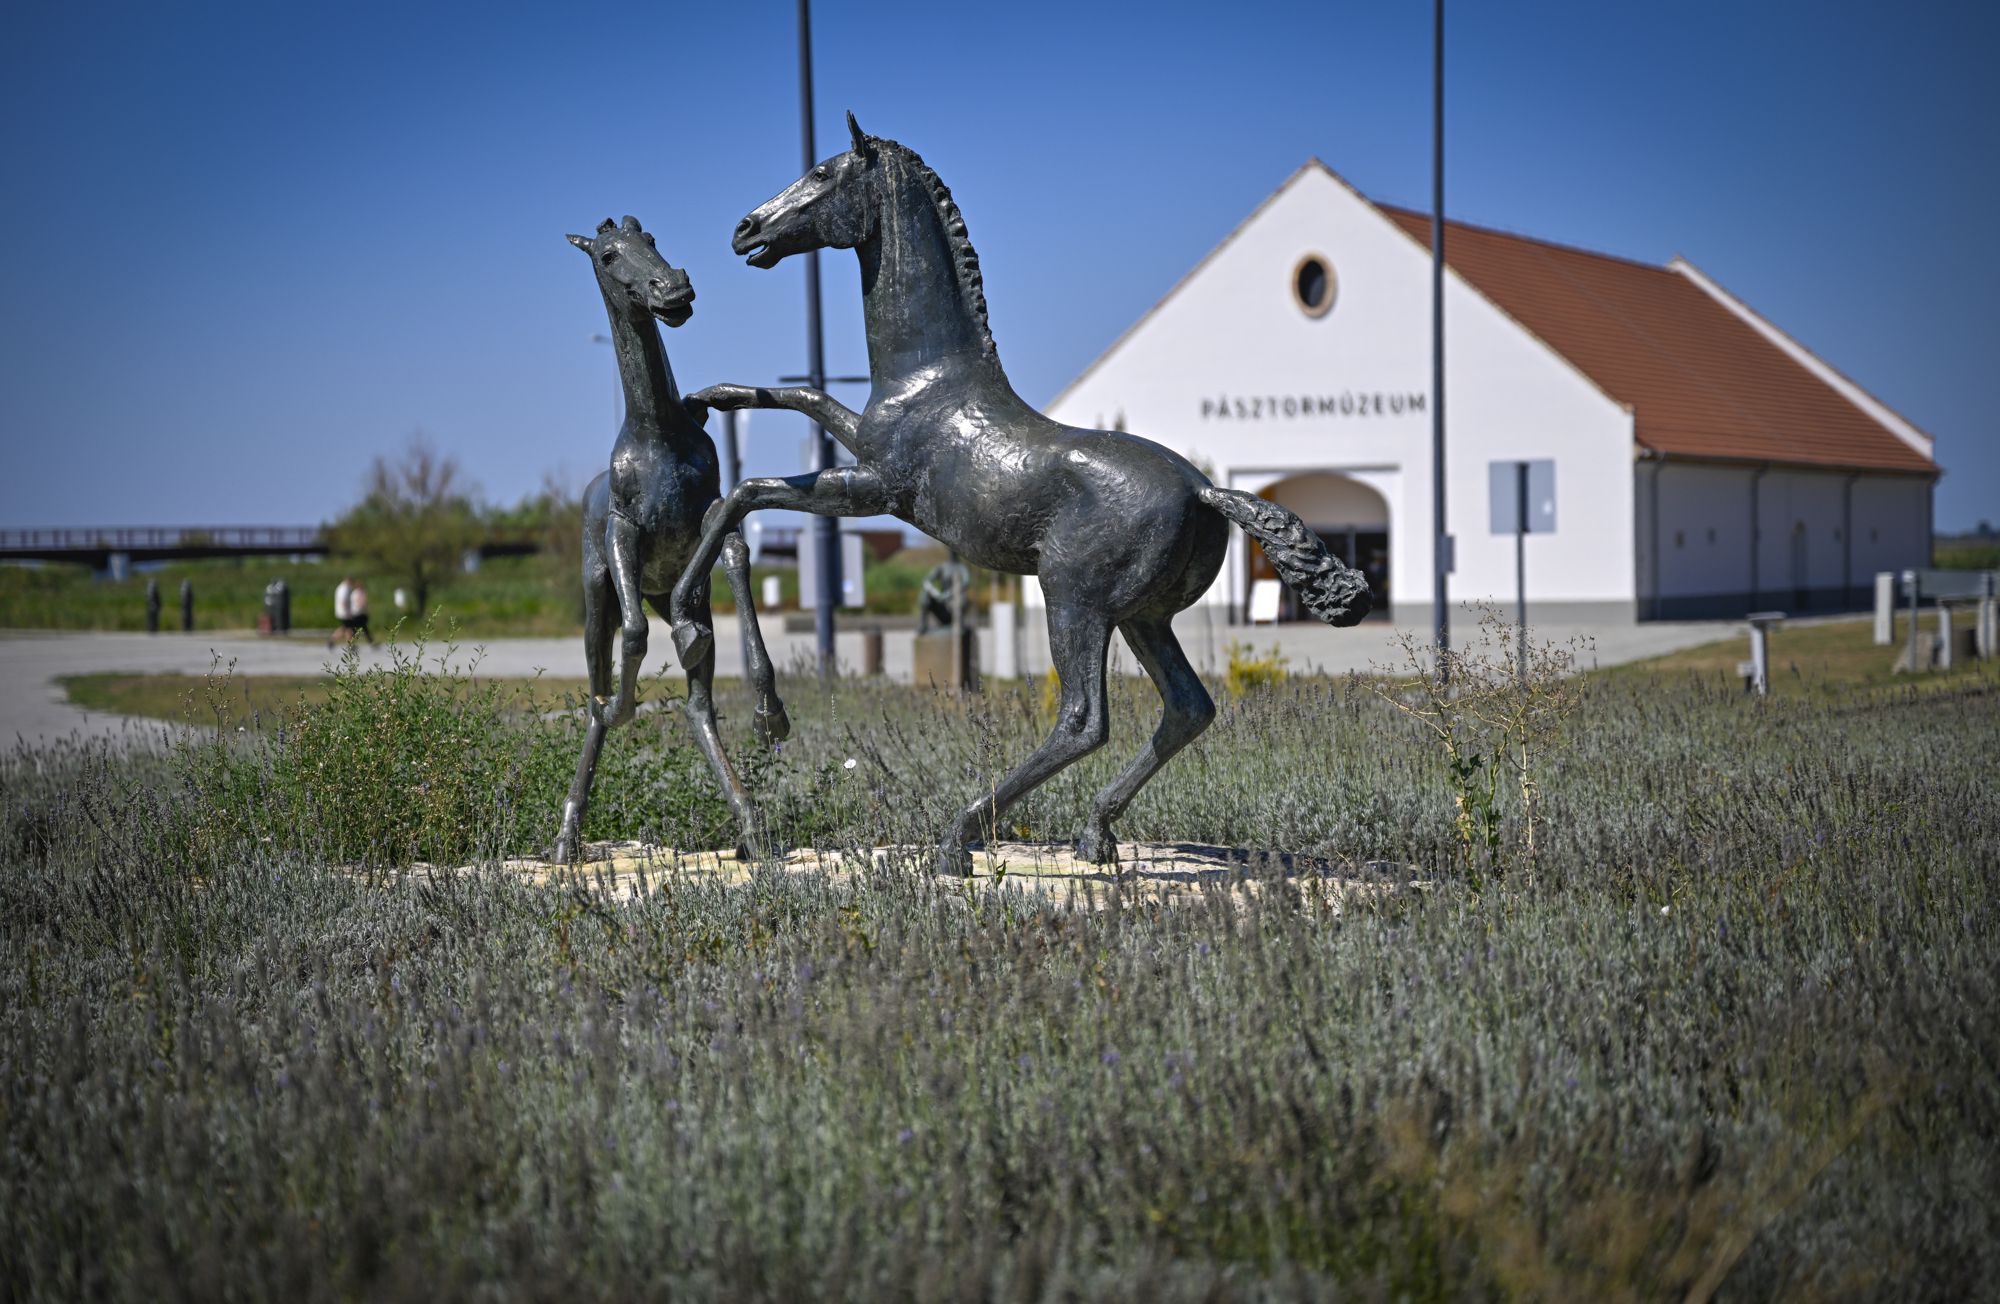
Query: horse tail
1331,589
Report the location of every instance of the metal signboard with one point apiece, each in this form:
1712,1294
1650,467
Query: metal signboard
1504,491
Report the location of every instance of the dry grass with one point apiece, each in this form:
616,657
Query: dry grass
263,701
1808,659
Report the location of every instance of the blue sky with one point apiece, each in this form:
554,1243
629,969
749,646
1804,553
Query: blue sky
248,247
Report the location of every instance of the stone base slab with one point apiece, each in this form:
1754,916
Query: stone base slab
1145,871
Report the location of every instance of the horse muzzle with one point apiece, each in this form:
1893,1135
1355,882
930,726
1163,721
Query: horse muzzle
755,244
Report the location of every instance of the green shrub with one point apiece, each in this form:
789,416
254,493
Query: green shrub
1247,672
409,762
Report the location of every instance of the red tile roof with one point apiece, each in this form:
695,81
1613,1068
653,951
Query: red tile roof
1701,381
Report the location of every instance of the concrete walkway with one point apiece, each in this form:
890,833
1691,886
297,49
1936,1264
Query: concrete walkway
34,707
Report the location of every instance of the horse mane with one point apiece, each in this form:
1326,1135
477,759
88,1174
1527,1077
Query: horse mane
964,258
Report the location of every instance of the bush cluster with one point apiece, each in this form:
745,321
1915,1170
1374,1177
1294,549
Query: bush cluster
1735,1039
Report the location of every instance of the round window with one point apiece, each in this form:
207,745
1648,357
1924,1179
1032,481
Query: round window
1313,285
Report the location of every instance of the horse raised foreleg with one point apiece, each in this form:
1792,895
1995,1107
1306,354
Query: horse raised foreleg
770,720
817,404
1188,709
842,491
1078,644
621,539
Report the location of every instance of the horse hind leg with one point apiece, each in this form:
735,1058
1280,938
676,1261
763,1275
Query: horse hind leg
1187,710
770,721
1079,642
599,602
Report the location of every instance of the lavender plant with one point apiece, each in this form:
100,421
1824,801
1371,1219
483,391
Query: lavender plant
1733,1042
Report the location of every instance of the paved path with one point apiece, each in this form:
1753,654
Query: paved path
34,707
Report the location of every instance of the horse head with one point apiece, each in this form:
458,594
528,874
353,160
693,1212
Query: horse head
831,207
627,262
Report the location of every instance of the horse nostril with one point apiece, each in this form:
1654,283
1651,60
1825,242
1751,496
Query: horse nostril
745,227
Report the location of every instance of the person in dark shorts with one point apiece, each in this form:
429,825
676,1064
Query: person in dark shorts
357,613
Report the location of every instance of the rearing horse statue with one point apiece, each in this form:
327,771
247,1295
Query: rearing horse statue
1122,531
641,518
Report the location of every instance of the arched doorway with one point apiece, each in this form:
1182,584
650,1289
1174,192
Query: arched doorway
1351,518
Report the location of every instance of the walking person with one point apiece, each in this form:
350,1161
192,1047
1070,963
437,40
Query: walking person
343,597
357,613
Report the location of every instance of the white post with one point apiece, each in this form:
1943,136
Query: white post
1885,608
774,593
1006,662
1987,629
1760,649
1944,634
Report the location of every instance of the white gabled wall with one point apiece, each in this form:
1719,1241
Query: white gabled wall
1222,367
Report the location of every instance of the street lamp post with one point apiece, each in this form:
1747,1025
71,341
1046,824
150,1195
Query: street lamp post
1441,542
826,529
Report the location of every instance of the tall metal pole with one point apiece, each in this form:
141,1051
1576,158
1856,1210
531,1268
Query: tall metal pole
1441,543
732,465
732,451
826,529
1521,565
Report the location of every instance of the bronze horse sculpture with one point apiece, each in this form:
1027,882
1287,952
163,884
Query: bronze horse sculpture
641,521
1122,531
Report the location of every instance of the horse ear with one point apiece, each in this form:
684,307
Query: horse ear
862,145
580,241
631,223
606,226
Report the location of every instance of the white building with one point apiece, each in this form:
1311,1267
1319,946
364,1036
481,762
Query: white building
1706,464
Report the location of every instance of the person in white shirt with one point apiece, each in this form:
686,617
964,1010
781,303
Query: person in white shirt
343,608
357,613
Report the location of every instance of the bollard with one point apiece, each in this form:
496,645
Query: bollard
1761,623
1885,608
1987,629
1006,658
774,593
187,606
152,606
871,652
1910,653
1944,634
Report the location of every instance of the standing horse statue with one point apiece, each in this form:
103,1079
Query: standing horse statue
1122,531
641,521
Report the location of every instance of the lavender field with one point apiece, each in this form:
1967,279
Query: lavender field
1726,1033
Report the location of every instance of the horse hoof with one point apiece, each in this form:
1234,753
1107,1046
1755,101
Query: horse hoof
760,848
772,726
1098,845
954,861
564,852
693,641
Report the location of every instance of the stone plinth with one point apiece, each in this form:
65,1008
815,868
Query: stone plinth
931,661
1145,871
